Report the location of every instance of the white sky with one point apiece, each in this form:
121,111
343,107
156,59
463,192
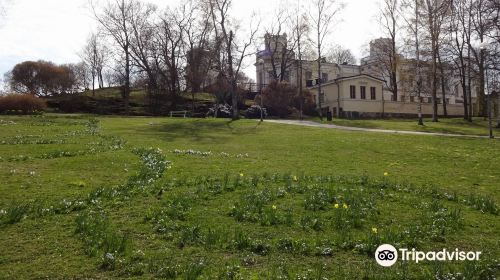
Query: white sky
56,30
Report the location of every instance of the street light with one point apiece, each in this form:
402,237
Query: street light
484,47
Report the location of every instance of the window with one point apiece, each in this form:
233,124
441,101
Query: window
353,92
373,93
324,77
322,98
412,98
363,92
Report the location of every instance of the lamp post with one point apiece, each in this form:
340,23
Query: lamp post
484,47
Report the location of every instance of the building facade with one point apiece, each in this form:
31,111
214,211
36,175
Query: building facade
357,91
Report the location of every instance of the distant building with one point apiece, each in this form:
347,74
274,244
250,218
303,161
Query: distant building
362,90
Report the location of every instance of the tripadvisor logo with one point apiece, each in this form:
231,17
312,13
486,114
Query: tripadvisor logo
387,255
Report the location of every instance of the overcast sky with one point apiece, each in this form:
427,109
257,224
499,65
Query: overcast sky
56,30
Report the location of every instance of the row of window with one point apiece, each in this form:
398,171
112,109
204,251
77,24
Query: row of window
425,99
373,92
286,76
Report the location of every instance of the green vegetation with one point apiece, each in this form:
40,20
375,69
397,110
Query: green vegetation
479,126
85,197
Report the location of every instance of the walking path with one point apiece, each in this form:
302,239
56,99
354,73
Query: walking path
333,126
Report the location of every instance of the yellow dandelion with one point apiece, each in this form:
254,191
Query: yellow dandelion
374,230
295,178
241,174
274,207
386,173
345,206
336,206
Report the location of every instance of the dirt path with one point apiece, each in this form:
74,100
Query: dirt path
333,126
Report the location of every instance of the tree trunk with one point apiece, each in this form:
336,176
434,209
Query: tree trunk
481,100
126,91
443,86
233,79
434,83
394,80
469,85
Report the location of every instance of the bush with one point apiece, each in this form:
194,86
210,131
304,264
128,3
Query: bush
24,103
308,105
254,112
278,97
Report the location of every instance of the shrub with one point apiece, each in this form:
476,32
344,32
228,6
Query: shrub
24,103
308,105
277,97
254,112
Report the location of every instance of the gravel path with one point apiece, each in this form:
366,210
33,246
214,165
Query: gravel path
333,126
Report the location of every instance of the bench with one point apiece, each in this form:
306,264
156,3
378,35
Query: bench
183,114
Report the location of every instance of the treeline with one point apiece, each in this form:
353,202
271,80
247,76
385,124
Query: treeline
463,35
178,49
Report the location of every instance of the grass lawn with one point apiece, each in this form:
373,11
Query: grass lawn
214,199
479,126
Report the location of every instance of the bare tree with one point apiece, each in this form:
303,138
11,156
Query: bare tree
457,31
388,59
94,57
413,24
199,56
300,32
143,49
478,17
233,51
115,21
434,12
322,15
340,55
280,47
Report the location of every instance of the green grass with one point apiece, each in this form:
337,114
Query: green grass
479,126
239,200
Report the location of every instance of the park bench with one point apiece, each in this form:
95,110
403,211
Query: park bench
183,114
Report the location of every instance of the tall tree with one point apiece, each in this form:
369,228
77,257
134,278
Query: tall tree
322,15
300,32
233,50
412,19
340,55
458,45
115,21
478,17
434,12
389,61
279,46
94,56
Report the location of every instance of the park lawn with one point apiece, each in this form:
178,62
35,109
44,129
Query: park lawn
241,199
478,126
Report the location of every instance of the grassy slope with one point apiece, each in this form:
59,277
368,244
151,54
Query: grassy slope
452,165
